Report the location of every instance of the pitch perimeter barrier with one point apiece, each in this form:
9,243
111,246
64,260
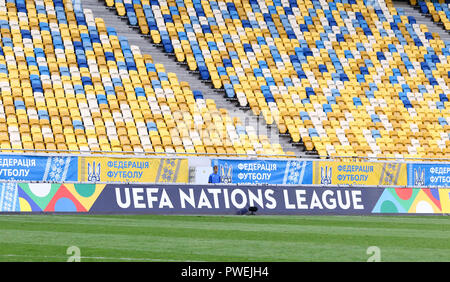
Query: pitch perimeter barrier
126,169
219,199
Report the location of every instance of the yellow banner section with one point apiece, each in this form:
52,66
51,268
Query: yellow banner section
359,173
444,195
107,169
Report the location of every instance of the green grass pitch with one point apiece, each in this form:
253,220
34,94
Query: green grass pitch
223,238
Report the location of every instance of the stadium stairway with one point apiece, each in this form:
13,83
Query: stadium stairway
422,19
99,9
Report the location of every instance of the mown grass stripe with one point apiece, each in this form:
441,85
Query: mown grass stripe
226,250
427,220
162,236
165,227
222,238
407,223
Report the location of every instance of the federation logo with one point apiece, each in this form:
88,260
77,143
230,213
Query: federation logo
325,175
93,172
419,177
226,173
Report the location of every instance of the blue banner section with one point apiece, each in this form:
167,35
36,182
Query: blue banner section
38,168
429,175
264,171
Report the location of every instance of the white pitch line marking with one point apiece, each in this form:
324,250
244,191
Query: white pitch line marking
106,258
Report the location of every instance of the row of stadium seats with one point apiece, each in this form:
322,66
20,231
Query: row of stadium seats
438,10
347,77
68,82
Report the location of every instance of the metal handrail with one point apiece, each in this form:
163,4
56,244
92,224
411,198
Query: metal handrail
176,184
124,154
